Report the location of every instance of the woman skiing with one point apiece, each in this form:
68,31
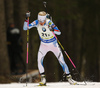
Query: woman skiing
45,27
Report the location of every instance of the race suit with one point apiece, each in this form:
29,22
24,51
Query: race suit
48,43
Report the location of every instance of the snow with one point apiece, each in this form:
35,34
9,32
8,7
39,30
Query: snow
51,85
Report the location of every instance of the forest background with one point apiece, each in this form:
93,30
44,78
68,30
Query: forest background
79,23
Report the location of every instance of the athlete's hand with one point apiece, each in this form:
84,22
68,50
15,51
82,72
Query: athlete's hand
51,29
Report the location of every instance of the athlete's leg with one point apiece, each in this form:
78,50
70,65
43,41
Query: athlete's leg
56,50
41,54
58,53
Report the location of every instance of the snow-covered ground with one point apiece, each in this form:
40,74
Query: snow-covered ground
51,85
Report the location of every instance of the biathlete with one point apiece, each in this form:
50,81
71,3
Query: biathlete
45,27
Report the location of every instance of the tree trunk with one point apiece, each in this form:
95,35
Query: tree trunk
4,62
20,11
9,12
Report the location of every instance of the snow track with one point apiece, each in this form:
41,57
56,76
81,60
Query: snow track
51,85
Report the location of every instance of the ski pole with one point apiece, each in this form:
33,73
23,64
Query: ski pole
27,51
58,40
45,6
63,47
48,15
68,57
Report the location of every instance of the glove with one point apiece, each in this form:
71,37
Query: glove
51,29
27,15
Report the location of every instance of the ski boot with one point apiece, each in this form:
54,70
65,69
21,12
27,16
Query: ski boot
70,80
43,81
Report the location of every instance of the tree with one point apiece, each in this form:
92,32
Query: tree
9,11
4,62
19,16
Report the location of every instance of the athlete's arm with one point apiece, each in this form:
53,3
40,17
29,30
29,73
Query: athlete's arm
33,24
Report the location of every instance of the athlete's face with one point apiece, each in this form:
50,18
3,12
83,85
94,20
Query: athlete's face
42,22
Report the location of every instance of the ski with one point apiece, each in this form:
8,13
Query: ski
40,85
84,84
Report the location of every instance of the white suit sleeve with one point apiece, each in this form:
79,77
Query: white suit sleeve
25,26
